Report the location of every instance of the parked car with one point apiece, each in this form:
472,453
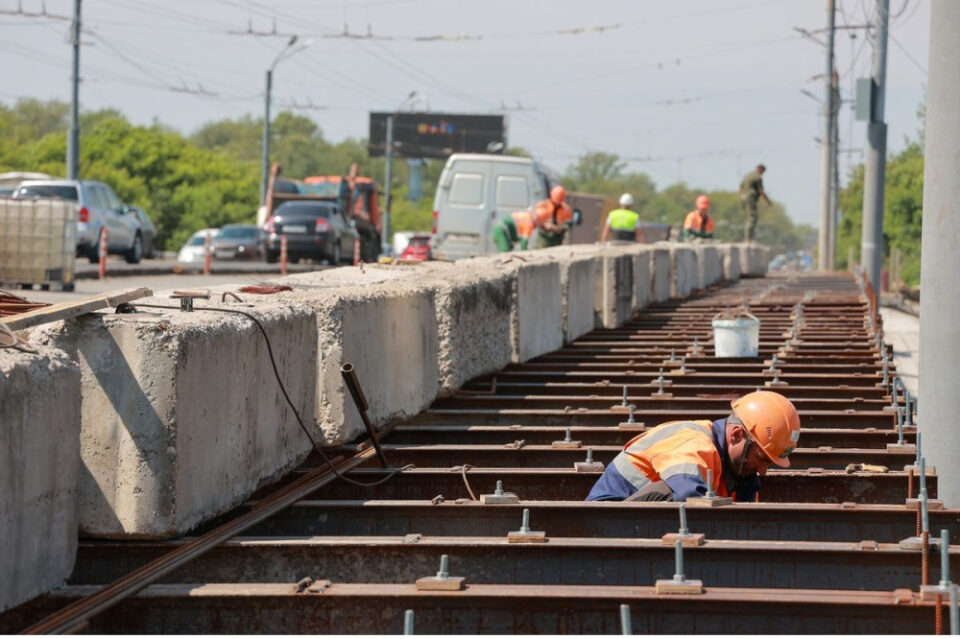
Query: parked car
193,250
238,242
315,229
149,231
97,207
418,248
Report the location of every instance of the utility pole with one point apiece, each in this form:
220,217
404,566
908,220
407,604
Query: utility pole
871,238
73,135
265,159
387,199
828,155
835,178
940,260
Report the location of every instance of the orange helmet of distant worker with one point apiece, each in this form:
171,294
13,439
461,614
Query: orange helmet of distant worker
558,194
703,202
772,421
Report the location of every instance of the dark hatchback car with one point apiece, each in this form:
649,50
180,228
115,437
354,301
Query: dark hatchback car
238,242
314,230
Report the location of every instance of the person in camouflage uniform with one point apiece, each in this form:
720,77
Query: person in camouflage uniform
751,190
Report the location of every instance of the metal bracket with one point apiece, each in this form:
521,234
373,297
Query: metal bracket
186,298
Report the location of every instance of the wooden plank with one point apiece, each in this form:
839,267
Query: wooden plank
66,310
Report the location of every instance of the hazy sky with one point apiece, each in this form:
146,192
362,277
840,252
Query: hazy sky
698,90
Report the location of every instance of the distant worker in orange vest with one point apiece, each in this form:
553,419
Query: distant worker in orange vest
698,223
554,217
514,229
623,223
670,462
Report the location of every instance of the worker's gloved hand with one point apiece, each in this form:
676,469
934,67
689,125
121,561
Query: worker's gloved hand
654,491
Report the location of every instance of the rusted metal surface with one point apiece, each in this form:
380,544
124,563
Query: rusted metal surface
360,608
818,528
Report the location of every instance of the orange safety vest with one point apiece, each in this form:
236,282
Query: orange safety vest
525,223
546,211
694,222
672,448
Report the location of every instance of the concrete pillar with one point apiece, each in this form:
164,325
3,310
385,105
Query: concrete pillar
940,260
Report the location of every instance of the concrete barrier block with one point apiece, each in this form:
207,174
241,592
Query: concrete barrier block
731,262
39,468
660,277
753,259
613,297
578,283
388,331
182,417
709,265
536,321
684,276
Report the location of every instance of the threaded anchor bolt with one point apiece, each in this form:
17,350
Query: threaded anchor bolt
631,420
924,517
444,571
626,626
499,489
568,436
678,575
954,611
944,558
624,403
589,456
683,363
673,355
710,492
525,523
923,477
899,427
408,622
683,520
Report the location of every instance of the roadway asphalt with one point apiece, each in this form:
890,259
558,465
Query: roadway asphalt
118,267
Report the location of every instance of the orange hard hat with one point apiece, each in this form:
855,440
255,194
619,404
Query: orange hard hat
773,422
703,202
558,194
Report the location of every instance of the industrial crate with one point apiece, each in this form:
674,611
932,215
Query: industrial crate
38,243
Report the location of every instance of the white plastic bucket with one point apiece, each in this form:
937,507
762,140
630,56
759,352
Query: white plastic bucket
736,335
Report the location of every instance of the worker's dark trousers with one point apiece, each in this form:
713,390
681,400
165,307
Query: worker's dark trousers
654,491
749,207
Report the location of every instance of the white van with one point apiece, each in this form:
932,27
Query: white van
475,192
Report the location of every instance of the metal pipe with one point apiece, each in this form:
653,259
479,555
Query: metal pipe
353,385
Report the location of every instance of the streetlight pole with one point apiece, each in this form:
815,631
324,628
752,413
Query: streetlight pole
871,238
826,163
265,159
73,136
385,245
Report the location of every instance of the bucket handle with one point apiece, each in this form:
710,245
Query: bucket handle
731,315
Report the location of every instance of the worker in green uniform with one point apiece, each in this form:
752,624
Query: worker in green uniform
751,190
514,229
623,223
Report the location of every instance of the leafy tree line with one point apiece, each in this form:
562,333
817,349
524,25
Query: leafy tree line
211,177
902,212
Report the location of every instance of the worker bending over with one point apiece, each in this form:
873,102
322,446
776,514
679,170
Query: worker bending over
670,462
623,223
553,217
513,229
698,222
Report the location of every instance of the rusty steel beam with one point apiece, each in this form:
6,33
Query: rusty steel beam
779,486
341,608
562,560
470,435
547,456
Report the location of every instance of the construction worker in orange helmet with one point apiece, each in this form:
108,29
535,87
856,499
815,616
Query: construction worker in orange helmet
698,223
670,462
554,217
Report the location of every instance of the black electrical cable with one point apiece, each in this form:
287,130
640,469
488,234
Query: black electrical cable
286,396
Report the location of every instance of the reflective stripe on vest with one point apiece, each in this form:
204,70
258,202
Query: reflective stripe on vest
623,219
675,448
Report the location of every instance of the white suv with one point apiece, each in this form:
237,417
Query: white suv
97,207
